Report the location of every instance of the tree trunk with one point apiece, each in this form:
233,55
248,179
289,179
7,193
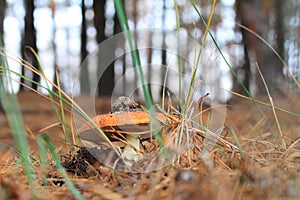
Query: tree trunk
279,27
2,15
253,14
135,37
245,69
106,81
84,73
55,78
163,54
29,39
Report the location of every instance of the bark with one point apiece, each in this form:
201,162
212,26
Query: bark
55,78
253,14
244,73
106,73
2,15
84,74
135,21
163,54
279,27
29,39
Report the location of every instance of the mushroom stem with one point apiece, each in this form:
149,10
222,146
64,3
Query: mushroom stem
129,152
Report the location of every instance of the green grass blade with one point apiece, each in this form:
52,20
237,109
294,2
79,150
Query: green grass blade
273,108
264,103
45,141
42,152
137,64
179,58
134,51
46,81
274,51
233,71
62,119
69,103
12,110
237,142
199,54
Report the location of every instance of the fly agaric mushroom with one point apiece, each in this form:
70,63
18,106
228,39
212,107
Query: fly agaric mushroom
131,124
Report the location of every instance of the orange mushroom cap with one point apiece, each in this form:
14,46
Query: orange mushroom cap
120,119
132,123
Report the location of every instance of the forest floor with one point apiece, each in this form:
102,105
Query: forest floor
266,171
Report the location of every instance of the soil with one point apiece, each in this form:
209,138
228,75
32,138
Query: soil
265,169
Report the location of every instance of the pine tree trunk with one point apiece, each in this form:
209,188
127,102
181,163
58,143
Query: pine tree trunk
84,73
29,39
106,73
254,15
2,15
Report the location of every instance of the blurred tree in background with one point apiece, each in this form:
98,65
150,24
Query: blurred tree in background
266,19
2,14
29,40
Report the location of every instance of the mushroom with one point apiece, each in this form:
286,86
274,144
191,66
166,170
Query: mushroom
131,125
